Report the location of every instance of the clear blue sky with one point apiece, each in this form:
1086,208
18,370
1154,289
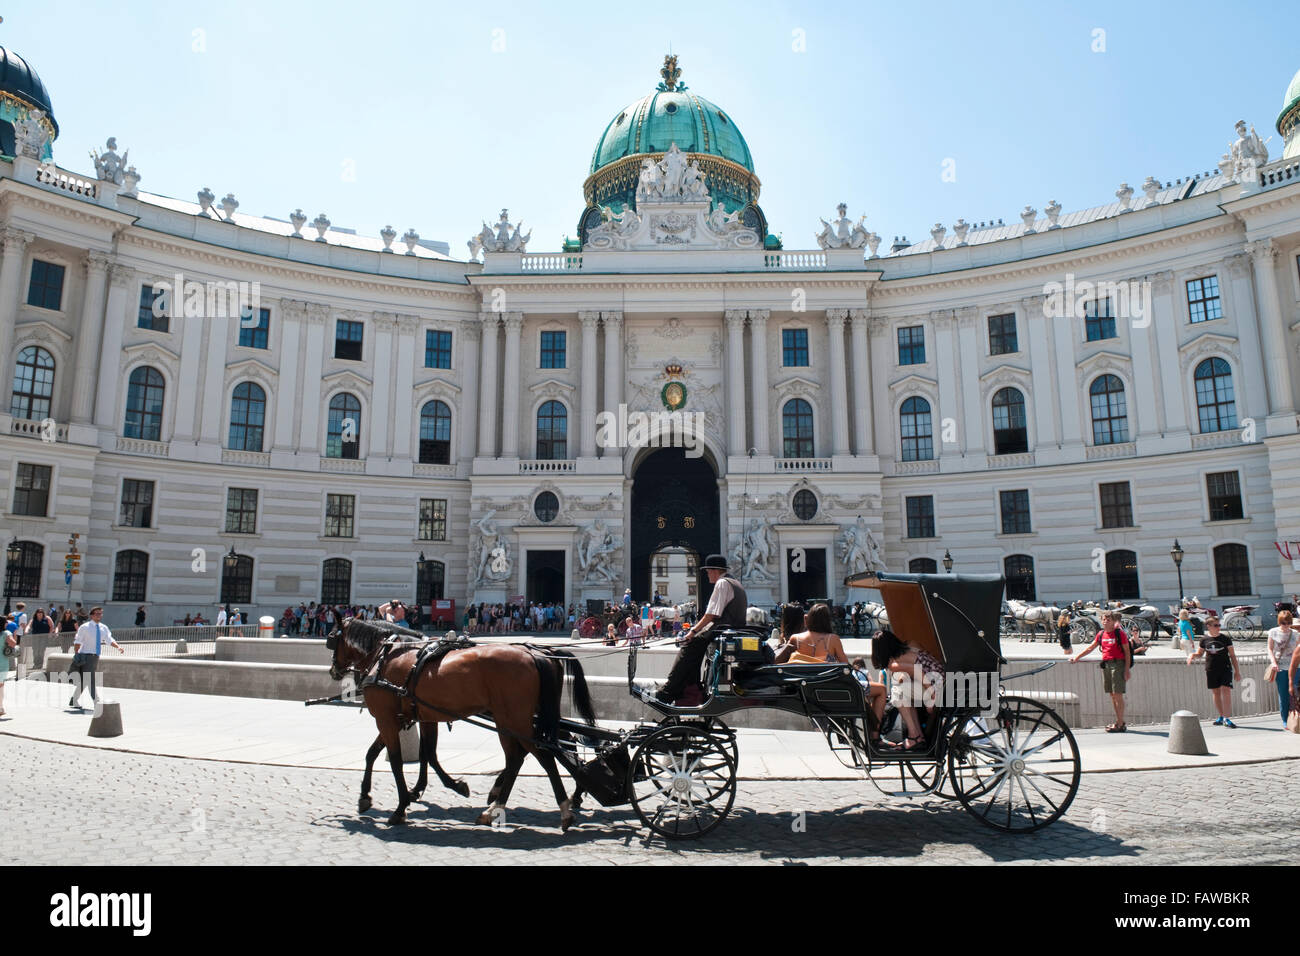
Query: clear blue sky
440,130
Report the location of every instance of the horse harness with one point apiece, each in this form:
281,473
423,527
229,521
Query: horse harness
427,655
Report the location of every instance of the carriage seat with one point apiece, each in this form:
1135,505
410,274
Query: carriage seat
831,687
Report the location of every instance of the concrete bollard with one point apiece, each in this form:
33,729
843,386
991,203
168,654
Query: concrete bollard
181,647
108,722
410,738
575,636
1185,734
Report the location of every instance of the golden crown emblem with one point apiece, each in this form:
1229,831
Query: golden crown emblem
673,370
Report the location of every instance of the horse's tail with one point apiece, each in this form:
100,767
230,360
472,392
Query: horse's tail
581,693
548,698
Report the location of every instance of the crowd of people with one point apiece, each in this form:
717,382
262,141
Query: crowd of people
507,618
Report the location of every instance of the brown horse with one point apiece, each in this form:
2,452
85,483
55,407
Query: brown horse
509,682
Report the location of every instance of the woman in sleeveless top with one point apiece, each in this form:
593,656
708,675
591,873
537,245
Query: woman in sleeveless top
818,643
916,679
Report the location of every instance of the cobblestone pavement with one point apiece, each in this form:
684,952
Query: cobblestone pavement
159,810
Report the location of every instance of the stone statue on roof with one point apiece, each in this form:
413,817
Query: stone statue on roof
1248,153
843,233
30,135
108,165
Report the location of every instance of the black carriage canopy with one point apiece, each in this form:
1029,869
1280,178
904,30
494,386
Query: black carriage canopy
953,616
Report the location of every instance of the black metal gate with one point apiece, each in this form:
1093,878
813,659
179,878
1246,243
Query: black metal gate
674,504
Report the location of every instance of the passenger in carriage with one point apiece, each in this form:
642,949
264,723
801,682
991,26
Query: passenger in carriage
876,693
809,638
916,680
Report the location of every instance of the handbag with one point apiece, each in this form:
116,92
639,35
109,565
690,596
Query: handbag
1270,672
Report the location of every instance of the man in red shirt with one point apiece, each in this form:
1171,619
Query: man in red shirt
1116,664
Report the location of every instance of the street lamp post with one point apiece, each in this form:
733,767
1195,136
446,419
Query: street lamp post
947,560
12,554
1176,552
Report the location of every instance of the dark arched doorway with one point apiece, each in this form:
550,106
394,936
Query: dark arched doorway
674,505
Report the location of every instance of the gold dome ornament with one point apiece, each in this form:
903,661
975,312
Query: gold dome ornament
673,395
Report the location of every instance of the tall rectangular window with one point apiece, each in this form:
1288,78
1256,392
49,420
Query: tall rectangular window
241,511
45,290
1224,488
32,490
433,519
1015,511
911,345
1203,303
553,344
145,319
437,349
137,504
339,512
920,516
1098,321
1116,505
1002,334
794,347
255,336
347,340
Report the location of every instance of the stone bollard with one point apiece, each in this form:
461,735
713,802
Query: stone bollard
108,722
181,647
410,738
575,636
1185,735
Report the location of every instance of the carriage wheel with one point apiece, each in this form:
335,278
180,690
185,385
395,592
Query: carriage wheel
1083,630
1018,772
1241,628
589,627
714,727
1133,627
682,781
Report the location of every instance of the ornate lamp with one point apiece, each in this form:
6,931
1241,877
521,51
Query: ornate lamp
1176,552
12,554
947,560
231,560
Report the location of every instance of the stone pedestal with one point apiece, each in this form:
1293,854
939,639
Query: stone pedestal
107,721
1185,735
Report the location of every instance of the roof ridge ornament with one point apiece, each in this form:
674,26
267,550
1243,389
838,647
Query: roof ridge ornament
671,75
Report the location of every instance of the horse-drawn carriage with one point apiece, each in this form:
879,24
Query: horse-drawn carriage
1010,761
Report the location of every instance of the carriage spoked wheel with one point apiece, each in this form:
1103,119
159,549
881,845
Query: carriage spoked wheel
712,726
1018,771
682,781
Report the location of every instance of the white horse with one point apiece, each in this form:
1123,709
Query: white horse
1037,616
878,613
755,616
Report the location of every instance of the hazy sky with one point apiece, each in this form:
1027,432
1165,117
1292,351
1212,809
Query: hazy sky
436,115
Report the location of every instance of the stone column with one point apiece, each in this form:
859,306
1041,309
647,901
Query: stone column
487,410
587,382
470,333
514,323
408,326
946,366
614,371
839,386
1042,376
214,378
15,251
375,438
1237,291
1272,330
758,369
971,438
292,315
735,319
121,285
89,337
860,320
1143,407
309,434
187,424
1165,324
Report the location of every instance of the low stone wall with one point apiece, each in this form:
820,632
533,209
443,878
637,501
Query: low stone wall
277,650
185,675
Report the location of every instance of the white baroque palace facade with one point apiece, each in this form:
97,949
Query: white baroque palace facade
1060,399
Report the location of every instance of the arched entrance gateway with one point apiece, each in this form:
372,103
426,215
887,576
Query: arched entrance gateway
674,506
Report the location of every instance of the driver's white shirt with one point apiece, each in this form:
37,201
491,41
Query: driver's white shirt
722,594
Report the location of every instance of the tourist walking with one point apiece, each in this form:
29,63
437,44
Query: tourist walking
92,637
140,616
1116,664
8,653
1221,669
1282,643
1186,636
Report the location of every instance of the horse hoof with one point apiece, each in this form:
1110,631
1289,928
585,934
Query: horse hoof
484,819
397,819
567,820
363,805
462,788
416,794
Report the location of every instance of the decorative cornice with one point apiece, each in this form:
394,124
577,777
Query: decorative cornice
97,262
913,380
384,321
1262,251
346,379
513,321
16,240
40,331
735,319
293,310
408,324
835,319
489,321
797,387
317,313
1204,346
758,317
589,319
613,319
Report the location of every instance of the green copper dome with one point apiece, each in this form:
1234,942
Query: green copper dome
1288,121
653,123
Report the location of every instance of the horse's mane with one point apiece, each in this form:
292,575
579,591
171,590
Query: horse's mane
364,636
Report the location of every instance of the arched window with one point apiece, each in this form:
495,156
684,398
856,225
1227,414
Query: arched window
336,581
797,429
130,572
431,577
922,566
1010,434
1122,575
33,384
144,405
435,434
552,432
26,581
1018,569
1231,569
1214,401
237,582
917,432
343,439
1109,411
247,418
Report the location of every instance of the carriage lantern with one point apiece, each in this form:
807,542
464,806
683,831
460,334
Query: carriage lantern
231,560
947,560
1176,552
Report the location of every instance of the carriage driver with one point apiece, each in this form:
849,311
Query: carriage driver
727,607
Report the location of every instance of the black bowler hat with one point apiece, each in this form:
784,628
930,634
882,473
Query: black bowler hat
714,562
